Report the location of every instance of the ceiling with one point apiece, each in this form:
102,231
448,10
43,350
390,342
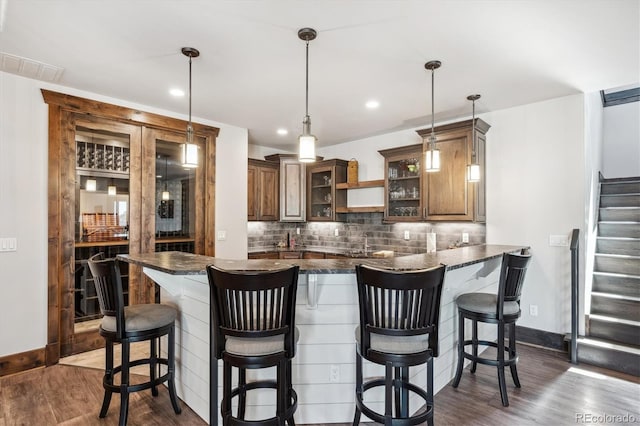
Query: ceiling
251,71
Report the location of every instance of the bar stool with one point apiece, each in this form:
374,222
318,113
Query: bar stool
127,324
253,326
501,309
399,314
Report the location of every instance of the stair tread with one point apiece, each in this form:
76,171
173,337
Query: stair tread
606,344
617,296
619,222
630,239
619,208
616,274
618,256
611,319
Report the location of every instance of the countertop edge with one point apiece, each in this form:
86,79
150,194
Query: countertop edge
180,263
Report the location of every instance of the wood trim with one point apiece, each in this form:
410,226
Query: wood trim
481,126
542,338
362,184
120,113
22,361
53,228
362,209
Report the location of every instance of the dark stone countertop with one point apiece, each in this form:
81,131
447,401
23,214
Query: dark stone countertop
179,263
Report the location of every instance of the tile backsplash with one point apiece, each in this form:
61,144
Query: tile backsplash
352,232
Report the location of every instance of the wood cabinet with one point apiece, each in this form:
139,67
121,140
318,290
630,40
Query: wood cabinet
292,187
322,197
313,255
448,196
262,190
403,189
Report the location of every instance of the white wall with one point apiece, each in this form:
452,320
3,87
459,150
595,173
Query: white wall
23,197
535,188
621,150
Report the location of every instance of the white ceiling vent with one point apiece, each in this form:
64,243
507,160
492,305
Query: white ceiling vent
29,68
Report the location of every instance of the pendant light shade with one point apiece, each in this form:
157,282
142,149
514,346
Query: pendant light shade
189,149
473,169
432,156
91,185
306,140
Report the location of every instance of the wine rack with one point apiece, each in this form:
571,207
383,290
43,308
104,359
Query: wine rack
97,156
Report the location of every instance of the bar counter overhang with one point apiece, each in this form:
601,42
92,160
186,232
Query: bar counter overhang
326,315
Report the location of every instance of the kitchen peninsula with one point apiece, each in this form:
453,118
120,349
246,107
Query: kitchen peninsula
326,315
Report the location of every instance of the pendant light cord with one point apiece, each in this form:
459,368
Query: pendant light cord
433,136
473,130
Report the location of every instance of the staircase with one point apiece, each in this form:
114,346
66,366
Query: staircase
613,328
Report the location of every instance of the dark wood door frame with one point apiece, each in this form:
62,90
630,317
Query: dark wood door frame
64,111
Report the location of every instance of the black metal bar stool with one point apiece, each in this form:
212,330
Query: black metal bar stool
501,309
253,326
399,313
128,324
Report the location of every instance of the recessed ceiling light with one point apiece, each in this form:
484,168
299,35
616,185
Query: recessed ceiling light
176,92
372,104
282,132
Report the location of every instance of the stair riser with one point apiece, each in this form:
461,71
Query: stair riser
630,248
607,358
619,332
625,215
619,200
617,265
620,188
623,286
625,230
617,308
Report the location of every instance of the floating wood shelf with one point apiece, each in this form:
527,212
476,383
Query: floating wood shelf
363,184
363,209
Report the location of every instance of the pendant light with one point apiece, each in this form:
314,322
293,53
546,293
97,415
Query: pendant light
190,149
111,189
306,140
473,169
166,195
91,185
432,156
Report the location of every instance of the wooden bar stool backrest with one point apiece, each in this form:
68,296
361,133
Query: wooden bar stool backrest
512,274
108,283
253,304
399,303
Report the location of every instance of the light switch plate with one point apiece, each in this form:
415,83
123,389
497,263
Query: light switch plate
222,235
406,235
336,232
465,237
8,244
559,240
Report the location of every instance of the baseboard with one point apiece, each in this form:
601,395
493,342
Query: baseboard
15,363
542,338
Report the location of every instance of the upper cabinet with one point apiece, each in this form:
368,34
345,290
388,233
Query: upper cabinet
322,197
262,190
448,196
403,184
292,187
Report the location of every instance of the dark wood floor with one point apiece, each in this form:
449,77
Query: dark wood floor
553,393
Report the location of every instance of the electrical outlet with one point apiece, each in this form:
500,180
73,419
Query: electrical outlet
336,232
533,310
222,235
298,231
558,240
406,235
465,237
334,373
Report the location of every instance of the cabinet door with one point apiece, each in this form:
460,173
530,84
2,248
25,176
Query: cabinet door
320,194
292,191
252,191
480,187
403,184
313,255
449,195
267,193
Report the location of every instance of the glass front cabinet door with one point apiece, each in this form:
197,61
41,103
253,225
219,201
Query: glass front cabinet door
403,184
322,197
